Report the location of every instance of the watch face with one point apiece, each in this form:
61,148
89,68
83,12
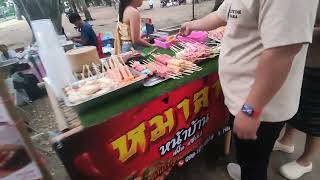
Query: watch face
247,109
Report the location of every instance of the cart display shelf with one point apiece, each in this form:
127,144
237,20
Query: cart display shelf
142,95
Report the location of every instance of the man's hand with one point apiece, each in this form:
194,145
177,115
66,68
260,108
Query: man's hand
76,39
207,23
245,127
186,29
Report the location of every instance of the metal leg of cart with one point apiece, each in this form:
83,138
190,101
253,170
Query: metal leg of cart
60,119
66,118
227,143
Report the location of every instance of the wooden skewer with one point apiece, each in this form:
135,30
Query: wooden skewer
195,66
152,55
181,44
173,77
83,70
145,62
111,63
190,65
96,69
185,73
103,68
121,59
177,47
106,65
150,60
174,50
188,71
152,51
178,50
89,71
177,74
174,47
194,69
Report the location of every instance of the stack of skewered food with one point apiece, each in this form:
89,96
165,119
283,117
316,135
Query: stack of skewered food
166,66
91,86
217,34
136,65
104,78
195,51
117,70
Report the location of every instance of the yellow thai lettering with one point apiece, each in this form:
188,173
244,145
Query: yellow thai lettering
185,106
217,88
201,99
161,126
136,138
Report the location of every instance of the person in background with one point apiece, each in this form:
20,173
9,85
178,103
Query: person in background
307,119
6,54
88,37
128,32
261,69
151,4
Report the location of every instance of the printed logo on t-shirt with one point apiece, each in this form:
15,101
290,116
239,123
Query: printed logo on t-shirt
234,13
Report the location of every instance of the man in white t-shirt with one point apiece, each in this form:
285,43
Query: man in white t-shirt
261,69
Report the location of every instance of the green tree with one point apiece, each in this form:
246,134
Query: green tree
85,10
2,2
41,9
108,2
73,6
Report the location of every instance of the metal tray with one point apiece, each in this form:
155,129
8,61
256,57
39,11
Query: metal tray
154,80
170,30
108,96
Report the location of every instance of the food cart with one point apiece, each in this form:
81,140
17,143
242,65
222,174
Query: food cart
144,132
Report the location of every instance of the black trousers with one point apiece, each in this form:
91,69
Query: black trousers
253,155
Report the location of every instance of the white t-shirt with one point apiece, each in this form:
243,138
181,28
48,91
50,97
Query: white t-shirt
252,27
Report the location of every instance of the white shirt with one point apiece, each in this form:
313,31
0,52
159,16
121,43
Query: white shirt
252,27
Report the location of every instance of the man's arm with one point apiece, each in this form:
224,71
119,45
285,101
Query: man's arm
282,35
207,23
272,71
80,41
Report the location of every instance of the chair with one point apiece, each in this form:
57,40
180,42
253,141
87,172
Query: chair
99,47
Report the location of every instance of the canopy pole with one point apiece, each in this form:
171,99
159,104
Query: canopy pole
193,15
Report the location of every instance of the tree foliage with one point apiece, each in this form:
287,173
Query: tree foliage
42,9
2,2
85,10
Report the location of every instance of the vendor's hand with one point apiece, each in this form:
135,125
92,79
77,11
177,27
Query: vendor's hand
75,39
246,127
186,29
7,151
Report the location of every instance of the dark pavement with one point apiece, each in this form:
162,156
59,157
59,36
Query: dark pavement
211,164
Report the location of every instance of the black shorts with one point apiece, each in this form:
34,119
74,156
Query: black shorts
307,118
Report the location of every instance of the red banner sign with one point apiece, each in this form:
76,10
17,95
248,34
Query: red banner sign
149,140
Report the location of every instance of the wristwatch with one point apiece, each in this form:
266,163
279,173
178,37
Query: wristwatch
248,110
